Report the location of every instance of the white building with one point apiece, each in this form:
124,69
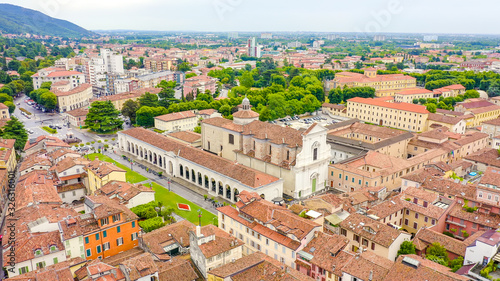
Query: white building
483,249
53,75
218,176
113,61
131,195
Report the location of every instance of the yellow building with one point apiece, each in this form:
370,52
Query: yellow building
4,111
7,155
384,85
71,99
408,95
177,121
405,116
100,173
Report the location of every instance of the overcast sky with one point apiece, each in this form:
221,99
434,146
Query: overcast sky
411,16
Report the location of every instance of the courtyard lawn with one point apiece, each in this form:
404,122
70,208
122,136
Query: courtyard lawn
170,200
131,176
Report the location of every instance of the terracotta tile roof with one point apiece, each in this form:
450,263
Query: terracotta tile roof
426,270
281,218
261,130
36,189
491,177
78,112
123,190
490,220
222,243
444,119
54,155
35,160
263,230
117,259
245,175
209,111
79,89
447,187
48,140
487,156
70,187
140,266
494,122
128,95
398,106
102,168
68,163
423,195
174,233
246,114
63,73
325,249
176,116
368,266
58,272
186,136
104,207
426,237
382,234
416,91
26,245
387,208
176,270
335,106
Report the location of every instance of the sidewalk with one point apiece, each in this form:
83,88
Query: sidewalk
174,187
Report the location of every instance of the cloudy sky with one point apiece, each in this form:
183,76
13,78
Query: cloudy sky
412,16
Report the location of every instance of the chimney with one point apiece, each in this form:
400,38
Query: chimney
198,231
370,278
181,240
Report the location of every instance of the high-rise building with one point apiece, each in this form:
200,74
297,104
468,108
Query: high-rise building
254,50
430,38
108,63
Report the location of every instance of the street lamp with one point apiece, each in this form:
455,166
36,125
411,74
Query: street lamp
199,217
131,167
168,180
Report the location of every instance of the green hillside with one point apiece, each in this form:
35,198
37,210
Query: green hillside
17,20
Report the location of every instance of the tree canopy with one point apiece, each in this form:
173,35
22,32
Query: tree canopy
103,117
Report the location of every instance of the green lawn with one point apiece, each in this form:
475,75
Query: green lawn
170,200
131,176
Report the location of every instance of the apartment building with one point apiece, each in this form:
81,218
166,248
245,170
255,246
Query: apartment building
269,228
48,143
54,75
413,267
4,111
160,64
211,247
76,118
408,95
480,109
384,85
72,98
100,173
454,124
70,178
110,228
492,128
200,84
370,235
177,121
130,195
406,116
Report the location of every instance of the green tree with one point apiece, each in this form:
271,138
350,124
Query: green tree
494,89
422,101
197,129
415,101
7,90
148,99
103,117
247,80
407,248
46,85
14,129
129,110
5,97
431,107
167,93
456,264
225,110
145,115
311,103
14,65
437,253
48,100
189,75
317,91
11,106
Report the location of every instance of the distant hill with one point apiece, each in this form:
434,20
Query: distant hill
17,20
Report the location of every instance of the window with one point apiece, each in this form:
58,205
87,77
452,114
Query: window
89,253
133,224
134,236
315,154
118,230
231,138
426,219
104,221
415,225
288,156
105,246
373,246
406,221
340,176
119,241
40,264
97,236
343,232
416,215
355,237
23,270
116,217
98,249
433,221
104,234
267,241
86,240
365,242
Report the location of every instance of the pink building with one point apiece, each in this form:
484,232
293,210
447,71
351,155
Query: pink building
202,83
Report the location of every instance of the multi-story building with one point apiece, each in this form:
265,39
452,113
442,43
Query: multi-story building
483,159
254,50
100,173
481,111
370,235
384,85
72,98
160,64
177,121
408,95
110,228
218,176
4,111
200,84
405,116
53,75
70,179
130,195
153,79
125,85
300,158
211,248
269,228
76,118
454,124
492,128
413,267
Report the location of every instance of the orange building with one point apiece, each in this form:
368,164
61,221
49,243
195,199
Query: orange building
110,228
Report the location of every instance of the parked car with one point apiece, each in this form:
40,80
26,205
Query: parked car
58,126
